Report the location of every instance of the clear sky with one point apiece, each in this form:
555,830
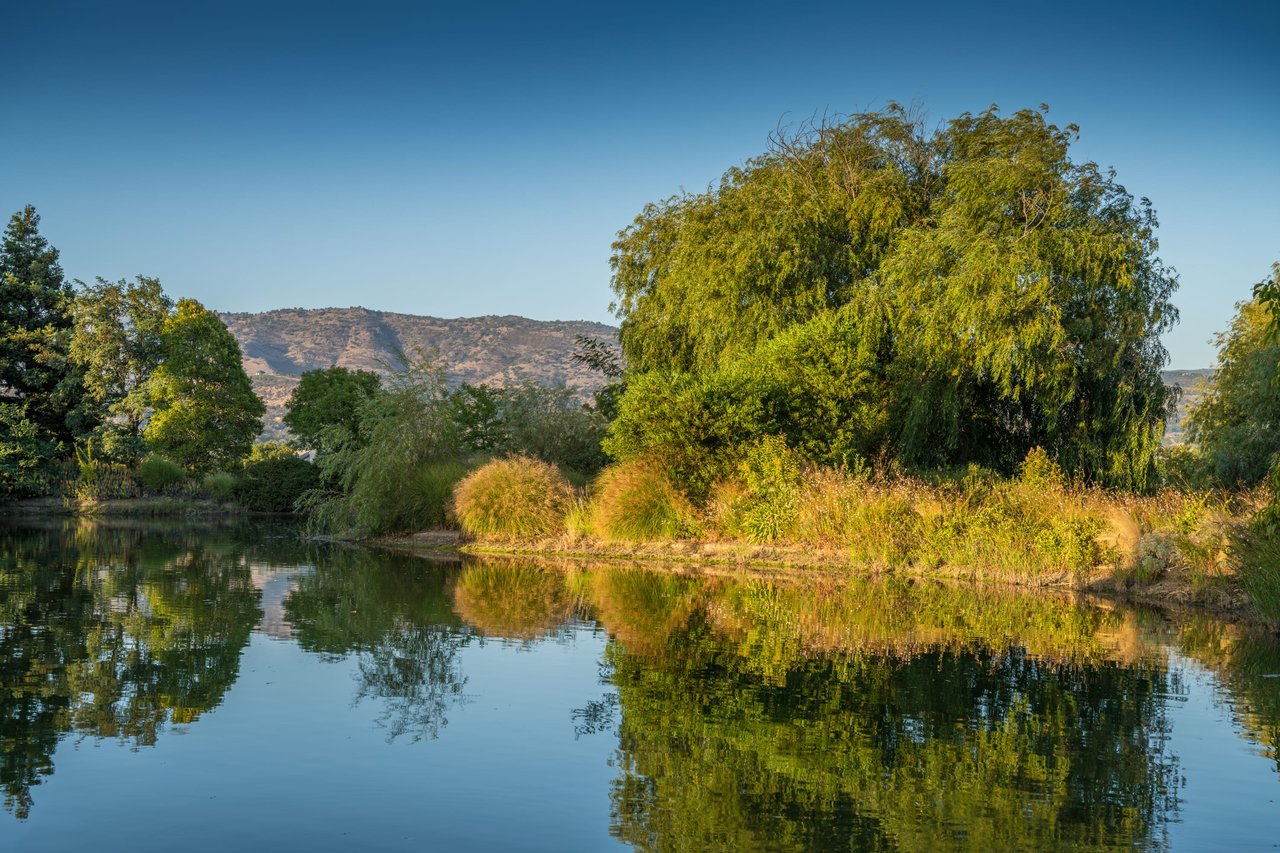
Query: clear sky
462,159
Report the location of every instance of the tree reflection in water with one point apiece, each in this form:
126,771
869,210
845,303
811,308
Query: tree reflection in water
397,620
113,632
749,713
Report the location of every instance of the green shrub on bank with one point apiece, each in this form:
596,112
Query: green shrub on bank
274,482
97,480
517,496
159,476
219,486
1257,556
635,501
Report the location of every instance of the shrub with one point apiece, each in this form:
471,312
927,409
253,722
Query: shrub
271,482
1257,555
158,475
635,501
771,472
219,486
1039,472
517,496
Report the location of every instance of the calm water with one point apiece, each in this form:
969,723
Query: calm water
213,688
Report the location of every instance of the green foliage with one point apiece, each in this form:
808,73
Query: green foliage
273,479
604,359
159,475
206,414
934,300
695,427
34,326
1236,424
219,485
25,453
771,473
530,420
1039,472
116,344
324,399
515,497
1183,467
100,479
399,477
635,501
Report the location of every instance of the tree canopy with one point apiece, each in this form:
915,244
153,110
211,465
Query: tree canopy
1236,424
985,294
206,414
328,398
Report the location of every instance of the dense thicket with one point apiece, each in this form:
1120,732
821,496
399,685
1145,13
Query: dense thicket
393,467
867,288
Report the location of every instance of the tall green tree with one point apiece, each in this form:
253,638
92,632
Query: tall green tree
116,344
34,322
206,414
1004,296
1236,423
327,398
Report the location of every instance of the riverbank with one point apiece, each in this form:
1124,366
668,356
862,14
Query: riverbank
147,507
1177,586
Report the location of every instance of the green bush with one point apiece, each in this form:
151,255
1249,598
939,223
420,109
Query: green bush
771,472
158,475
516,496
219,486
273,483
635,501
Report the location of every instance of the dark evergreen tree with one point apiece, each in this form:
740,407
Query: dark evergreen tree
37,383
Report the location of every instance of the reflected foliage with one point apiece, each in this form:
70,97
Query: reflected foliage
749,713
393,614
115,633
516,602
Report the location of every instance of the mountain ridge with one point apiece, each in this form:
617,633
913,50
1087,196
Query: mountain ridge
280,345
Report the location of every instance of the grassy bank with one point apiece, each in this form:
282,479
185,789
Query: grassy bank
1035,529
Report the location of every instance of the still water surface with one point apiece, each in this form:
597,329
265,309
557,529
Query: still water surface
229,687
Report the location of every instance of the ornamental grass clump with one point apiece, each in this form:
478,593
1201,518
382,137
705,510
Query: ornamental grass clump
635,501
515,497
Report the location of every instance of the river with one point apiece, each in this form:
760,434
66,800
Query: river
228,686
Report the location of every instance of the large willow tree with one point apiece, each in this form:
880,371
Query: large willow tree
993,295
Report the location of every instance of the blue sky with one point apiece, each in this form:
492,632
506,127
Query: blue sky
461,160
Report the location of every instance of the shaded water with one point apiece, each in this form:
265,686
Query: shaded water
210,687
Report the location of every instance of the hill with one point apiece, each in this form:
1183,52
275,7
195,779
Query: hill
1191,383
279,346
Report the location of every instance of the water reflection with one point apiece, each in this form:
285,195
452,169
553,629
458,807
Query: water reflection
742,713
397,619
765,715
112,632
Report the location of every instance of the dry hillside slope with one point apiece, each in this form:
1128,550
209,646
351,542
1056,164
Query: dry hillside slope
279,346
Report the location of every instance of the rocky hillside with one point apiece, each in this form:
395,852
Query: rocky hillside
279,346
1191,383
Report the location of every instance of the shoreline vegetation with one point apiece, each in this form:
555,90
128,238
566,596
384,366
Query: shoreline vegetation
876,345
1035,531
